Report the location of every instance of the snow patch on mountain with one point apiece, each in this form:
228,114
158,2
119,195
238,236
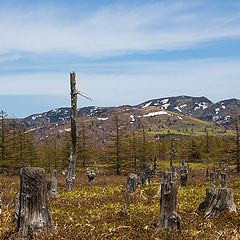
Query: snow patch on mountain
165,106
178,108
201,106
36,117
103,119
152,114
147,105
217,110
164,101
132,118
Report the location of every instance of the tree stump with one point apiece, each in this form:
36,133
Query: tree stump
213,178
217,201
183,176
223,179
169,219
131,182
162,180
33,214
53,184
173,171
146,174
91,175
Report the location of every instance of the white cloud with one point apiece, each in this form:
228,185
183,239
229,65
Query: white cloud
34,84
214,78
116,29
9,57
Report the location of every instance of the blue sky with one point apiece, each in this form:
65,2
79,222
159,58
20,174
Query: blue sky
124,52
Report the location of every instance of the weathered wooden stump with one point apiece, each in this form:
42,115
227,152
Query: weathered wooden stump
91,175
32,214
213,178
169,219
131,182
146,174
162,180
183,176
53,184
223,179
217,201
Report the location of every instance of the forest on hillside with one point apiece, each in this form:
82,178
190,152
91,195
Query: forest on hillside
19,147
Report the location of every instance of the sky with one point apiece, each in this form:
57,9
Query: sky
124,52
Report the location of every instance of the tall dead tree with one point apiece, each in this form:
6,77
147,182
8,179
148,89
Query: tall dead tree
31,206
73,151
172,155
134,151
237,145
3,116
117,145
207,142
155,166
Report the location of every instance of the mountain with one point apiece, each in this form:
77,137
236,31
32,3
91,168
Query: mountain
222,112
59,115
202,108
191,106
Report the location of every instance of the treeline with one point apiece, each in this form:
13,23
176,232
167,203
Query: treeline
123,150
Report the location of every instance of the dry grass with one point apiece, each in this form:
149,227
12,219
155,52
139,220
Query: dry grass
104,211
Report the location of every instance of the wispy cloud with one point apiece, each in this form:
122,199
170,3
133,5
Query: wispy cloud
117,29
131,82
9,57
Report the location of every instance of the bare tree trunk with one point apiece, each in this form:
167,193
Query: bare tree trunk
117,147
217,200
53,184
155,166
33,215
223,179
183,176
169,219
162,180
213,178
237,145
172,155
0,207
73,153
207,172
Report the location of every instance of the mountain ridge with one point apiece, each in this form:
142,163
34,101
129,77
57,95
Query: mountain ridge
221,112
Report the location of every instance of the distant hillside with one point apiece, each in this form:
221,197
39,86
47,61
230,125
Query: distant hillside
163,113
59,115
222,112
